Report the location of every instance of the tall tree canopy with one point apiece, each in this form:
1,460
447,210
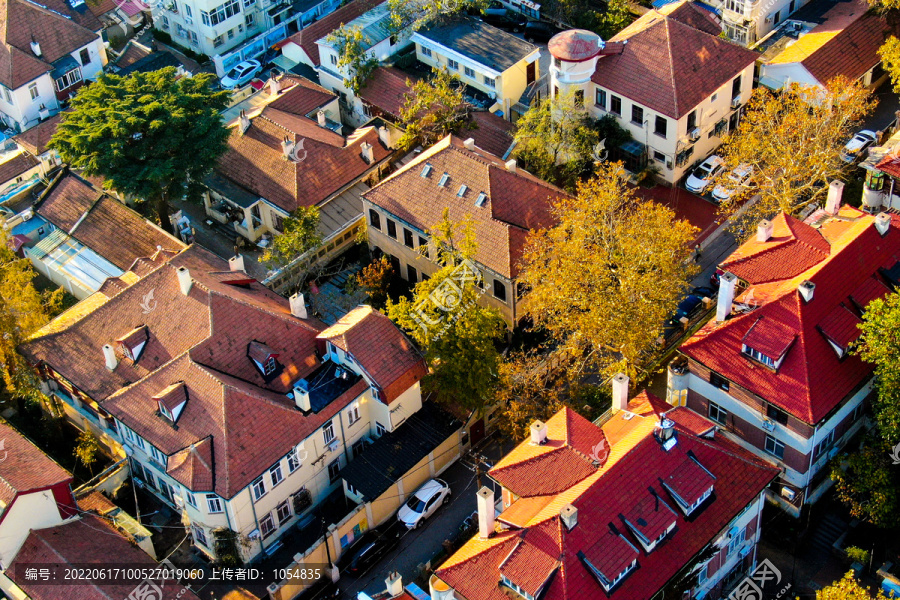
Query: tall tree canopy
408,16
555,139
868,480
847,588
433,108
301,234
604,279
890,49
444,318
793,140
153,136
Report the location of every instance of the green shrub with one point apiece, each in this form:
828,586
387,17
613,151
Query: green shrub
858,555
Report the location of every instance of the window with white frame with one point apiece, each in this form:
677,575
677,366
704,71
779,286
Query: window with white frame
249,19
735,542
276,474
353,414
426,51
293,460
774,446
220,13
258,488
453,64
189,498
199,536
490,81
267,525
213,504
825,445
7,95
718,414
328,432
283,512
33,91
469,72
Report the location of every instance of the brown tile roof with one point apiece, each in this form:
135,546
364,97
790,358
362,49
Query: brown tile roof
35,140
25,467
302,98
90,540
386,89
53,24
690,14
102,223
193,466
255,160
101,7
17,165
492,133
134,52
515,203
388,357
307,37
668,66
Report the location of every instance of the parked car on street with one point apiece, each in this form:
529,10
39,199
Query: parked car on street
241,74
424,503
736,182
704,292
538,31
374,545
687,308
509,21
703,175
853,150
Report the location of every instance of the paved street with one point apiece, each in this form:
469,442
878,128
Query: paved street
418,546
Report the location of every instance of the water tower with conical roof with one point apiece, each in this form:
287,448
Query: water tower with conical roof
575,53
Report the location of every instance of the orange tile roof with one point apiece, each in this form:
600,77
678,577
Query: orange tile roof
515,202
25,467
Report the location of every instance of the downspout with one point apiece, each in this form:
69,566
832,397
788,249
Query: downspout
812,458
262,545
343,437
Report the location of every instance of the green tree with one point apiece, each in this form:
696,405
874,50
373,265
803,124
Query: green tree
433,108
353,55
87,449
300,235
847,589
457,335
23,310
374,279
603,280
614,20
793,141
556,140
408,16
867,481
890,49
152,136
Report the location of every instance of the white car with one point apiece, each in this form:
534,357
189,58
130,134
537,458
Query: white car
424,503
736,180
859,142
702,176
241,74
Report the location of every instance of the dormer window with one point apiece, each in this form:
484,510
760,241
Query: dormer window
264,358
481,199
132,344
767,342
426,170
759,356
650,520
171,401
269,366
462,190
690,485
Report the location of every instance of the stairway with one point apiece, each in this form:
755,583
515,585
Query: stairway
827,530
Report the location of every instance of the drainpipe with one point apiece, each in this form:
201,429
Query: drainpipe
812,458
262,545
343,437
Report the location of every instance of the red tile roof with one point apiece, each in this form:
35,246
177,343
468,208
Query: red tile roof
798,386
35,140
302,97
668,66
492,134
90,540
386,89
841,326
690,14
307,37
384,352
255,159
890,164
526,553
870,289
16,166
98,221
514,204
58,29
25,467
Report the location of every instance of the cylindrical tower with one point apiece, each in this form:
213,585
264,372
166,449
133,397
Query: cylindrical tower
575,53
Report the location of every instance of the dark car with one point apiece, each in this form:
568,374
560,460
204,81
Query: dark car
703,292
538,31
688,307
509,21
373,547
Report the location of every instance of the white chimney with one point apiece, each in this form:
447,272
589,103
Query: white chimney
538,433
727,284
287,147
764,231
184,280
569,516
882,223
236,263
385,136
806,290
35,47
469,144
368,152
620,392
485,498
321,118
511,165
835,192
245,122
301,397
274,85
110,355
298,306
394,584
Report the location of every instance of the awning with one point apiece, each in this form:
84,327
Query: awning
63,66
284,63
634,148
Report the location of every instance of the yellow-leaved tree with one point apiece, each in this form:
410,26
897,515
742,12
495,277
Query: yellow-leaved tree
793,141
847,589
602,281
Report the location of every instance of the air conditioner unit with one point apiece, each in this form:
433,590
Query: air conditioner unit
253,534
44,113
735,102
695,134
139,483
788,494
769,18
768,425
333,445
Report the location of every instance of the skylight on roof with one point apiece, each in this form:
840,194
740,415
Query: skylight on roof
444,179
426,170
481,199
462,190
